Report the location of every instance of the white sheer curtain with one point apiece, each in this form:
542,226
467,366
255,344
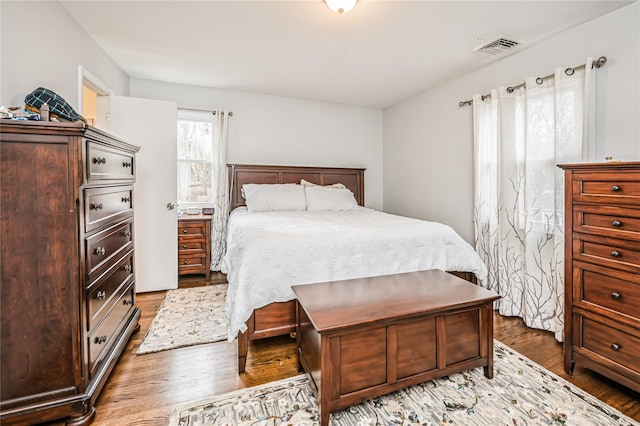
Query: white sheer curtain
519,136
220,190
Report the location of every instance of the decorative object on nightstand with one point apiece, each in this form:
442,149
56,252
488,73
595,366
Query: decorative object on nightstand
194,245
602,269
68,286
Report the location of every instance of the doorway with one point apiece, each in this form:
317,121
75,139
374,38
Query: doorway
89,105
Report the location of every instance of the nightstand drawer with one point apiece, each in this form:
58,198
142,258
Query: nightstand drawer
191,229
188,246
191,261
106,205
107,245
107,163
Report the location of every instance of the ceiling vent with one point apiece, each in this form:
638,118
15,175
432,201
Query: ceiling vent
497,45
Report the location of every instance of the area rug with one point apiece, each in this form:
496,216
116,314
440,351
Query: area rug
187,317
521,393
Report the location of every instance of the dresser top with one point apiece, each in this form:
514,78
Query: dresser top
603,165
67,128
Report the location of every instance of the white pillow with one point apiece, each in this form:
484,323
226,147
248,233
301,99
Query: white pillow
333,199
274,197
307,183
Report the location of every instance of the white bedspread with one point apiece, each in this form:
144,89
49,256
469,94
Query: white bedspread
269,252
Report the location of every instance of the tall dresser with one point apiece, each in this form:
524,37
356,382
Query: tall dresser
68,289
602,269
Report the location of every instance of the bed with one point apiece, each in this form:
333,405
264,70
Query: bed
267,252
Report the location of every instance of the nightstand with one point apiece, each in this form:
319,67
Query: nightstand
194,245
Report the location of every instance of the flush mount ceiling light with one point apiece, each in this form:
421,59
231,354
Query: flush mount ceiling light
341,6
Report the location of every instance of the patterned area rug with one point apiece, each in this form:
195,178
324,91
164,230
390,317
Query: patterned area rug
187,317
521,393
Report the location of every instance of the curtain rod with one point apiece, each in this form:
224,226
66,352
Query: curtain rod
206,110
569,71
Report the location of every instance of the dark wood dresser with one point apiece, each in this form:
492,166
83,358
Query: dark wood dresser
194,245
602,269
68,288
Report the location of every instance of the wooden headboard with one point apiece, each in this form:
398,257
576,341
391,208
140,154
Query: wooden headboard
239,174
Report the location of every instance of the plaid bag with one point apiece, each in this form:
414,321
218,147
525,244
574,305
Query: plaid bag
57,104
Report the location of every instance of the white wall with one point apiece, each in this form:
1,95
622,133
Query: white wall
42,45
284,131
428,139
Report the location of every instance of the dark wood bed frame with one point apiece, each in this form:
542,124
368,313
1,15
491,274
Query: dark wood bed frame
279,318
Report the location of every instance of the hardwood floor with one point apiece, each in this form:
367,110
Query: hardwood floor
144,389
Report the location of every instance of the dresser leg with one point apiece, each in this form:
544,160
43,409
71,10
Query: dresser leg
85,419
573,365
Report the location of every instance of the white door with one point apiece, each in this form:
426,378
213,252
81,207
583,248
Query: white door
151,125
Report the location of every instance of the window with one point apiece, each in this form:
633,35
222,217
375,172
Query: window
195,159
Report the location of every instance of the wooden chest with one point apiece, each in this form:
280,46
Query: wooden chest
362,338
602,269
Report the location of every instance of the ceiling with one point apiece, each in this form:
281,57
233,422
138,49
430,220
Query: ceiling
381,52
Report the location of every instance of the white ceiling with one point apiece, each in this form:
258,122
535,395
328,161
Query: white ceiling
381,52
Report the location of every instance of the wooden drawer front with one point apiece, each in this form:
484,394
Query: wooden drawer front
607,187
617,254
186,246
101,339
106,205
101,293
107,245
616,345
363,359
191,229
608,221
463,336
414,356
620,295
107,163
191,261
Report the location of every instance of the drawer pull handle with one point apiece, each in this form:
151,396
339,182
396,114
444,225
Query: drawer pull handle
100,251
185,262
615,188
101,295
616,253
184,231
126,302
616,223
96,206
615,347
126,199
126,234
99,160
100,340
616,295
184,246
127,268
126,164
